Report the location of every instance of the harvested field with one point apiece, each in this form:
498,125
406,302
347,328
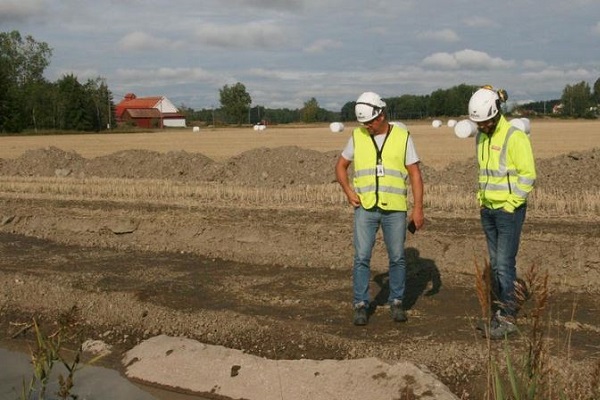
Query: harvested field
242,238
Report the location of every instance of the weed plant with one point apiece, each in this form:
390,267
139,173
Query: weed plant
523,369
50,350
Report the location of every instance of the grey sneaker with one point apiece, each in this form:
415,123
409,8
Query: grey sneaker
360,314
504,327
483,325
397,311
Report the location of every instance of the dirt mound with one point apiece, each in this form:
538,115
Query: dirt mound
565,173
144,164
279,167
42,162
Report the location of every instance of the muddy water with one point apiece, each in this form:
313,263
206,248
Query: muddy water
91,382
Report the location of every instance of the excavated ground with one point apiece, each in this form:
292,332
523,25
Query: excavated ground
277,282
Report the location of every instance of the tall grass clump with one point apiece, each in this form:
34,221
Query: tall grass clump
524,369
50,351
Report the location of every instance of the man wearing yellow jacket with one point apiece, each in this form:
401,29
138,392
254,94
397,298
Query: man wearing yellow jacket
506,177
384,160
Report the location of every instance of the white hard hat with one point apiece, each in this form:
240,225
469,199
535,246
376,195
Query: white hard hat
368,106
484,105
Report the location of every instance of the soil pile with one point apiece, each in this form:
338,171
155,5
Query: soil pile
277,168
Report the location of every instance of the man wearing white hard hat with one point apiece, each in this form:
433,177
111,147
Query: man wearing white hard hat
384,159
506,177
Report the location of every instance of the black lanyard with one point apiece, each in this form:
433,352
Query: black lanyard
377,149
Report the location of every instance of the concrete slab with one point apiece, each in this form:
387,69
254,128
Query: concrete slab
201,368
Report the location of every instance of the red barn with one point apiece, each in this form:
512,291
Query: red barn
149,112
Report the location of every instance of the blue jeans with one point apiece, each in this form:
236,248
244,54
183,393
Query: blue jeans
503,233
366,224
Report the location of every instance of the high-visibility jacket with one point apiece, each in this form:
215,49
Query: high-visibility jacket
388,191
506,167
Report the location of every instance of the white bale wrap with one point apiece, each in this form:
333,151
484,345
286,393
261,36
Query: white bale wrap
465,128
196,129
436,123
336,127
451,123
522,124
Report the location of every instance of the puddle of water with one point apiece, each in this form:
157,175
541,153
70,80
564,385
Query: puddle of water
91,383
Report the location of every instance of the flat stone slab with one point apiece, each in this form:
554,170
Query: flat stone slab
188,364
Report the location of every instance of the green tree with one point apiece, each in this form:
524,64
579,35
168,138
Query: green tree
310,111
27,58
577,100
75,108
102,100
596,94
22,64
235,102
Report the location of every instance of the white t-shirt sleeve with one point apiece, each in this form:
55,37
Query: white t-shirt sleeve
348,152
411,153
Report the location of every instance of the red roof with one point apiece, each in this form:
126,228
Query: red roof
132,102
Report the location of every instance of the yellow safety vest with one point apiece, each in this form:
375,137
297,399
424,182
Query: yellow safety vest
387,191
506,167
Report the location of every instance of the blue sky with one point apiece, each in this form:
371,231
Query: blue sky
286,52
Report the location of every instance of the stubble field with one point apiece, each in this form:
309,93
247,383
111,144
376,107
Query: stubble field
243,239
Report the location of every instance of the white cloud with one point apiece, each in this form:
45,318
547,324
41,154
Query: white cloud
20,10
163,76
255,35
444,35
534,64
466,59
137,41
322,45
562,76
479,22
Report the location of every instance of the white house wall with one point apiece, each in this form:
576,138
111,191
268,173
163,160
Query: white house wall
174,123
165,106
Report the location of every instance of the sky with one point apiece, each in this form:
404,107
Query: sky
286,52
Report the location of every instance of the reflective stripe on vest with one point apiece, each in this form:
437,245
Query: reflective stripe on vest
496,183
387,192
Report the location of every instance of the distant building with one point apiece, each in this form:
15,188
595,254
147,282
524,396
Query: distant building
558,108
149,112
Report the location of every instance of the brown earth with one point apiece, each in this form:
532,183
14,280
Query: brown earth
277,282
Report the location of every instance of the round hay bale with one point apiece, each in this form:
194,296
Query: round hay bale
522,124
196,129
465,128
451,123
436,123
336,127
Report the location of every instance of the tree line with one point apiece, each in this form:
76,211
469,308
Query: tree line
31,103
28,101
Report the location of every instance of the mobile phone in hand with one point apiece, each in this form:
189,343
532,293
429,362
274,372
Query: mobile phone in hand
412,228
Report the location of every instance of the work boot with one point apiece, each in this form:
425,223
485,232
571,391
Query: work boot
503,328
360,314
397,311
483,325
